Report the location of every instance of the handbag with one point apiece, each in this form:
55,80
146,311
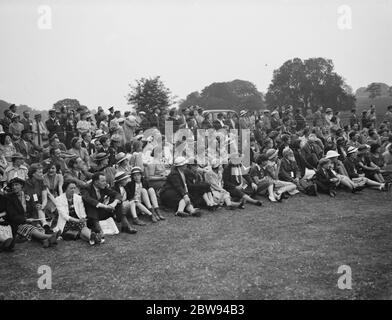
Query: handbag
70,235
5,233
109,227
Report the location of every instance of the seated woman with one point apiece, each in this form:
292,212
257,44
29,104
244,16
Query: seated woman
354,171
340,172
122,162
378,160
282,188
54,183
35,189
220,195
265,185
72,216
174,193
367,166
325,179
199,190
236,182
139,191
129,207
20,209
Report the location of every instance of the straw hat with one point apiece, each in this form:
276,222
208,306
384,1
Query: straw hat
271,153
136,170
120,176
180,161
331,154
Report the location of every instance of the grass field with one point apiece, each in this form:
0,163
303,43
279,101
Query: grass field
281,251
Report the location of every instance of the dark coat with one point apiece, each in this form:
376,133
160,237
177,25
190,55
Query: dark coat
173,190
15,214
288,170
91,201
323,180
130,188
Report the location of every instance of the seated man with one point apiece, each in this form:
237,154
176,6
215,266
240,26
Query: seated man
101,203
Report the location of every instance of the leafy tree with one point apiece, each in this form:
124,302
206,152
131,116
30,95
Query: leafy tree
149,94
309,83
69,104
237,94
374,90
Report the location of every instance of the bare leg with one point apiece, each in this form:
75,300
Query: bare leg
153,197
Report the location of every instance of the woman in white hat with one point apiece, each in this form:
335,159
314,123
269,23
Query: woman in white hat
353,169
174,193
122,162
340,172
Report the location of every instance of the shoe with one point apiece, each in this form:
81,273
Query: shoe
47,229
259,203
153,218
332,194
272,199
53,238
210,208
137,222
242,204
181,214
230,207
159,215
102,239
128,229
196,213
8,245
46,243
285,195
94,238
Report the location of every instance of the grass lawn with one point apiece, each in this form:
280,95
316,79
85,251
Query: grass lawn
280,251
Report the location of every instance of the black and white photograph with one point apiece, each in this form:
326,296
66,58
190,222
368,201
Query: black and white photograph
213,152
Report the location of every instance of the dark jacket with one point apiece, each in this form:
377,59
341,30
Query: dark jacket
130,188
15,214
91,201
351,168
288,170
174,182
323,179
229,180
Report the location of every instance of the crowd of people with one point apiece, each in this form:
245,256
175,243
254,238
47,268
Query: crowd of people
63,177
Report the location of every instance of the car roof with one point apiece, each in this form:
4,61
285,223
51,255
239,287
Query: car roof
219,110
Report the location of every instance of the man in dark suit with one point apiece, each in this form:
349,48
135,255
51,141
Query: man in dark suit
26,121
101,203
53,125
26,146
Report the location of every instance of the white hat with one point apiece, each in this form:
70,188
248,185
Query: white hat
331,154
120,176
99,133
180,161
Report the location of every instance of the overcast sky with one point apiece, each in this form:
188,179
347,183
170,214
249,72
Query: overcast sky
96,48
